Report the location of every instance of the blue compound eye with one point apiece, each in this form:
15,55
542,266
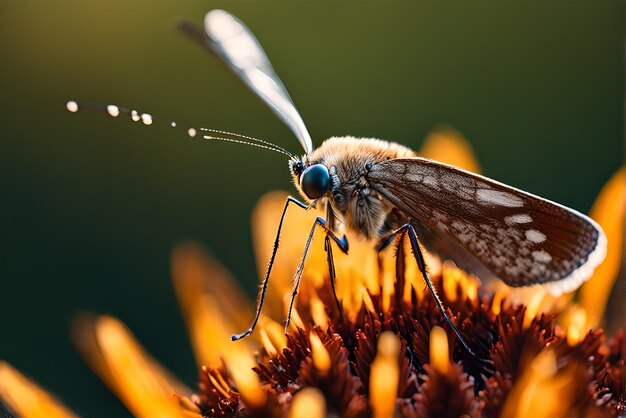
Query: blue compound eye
315,181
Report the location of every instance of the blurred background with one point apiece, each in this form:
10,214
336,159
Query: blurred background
91,206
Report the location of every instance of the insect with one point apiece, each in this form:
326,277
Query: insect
381,191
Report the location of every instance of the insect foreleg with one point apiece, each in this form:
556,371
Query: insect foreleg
341,242
331,271
289,200
421,264
330,218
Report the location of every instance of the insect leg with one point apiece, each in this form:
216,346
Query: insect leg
341,242
421,264
289,200
331,271
330,218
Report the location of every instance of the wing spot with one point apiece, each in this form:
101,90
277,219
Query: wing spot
535,236
542,256
498,198
521,218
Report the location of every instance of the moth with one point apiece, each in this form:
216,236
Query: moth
381,190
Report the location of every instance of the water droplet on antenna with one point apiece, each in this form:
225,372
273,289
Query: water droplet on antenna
113,110
134,115
72,106
146,119
191,132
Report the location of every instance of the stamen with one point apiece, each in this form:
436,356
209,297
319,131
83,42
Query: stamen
275,333
533,307
321,358
309,402
267,344
318,312
384,376
439,350
450,282
246,380
367,300
576,329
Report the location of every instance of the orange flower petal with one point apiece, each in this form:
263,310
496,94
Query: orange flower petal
449,146
195,273
145,387
26,398
213,306
608,210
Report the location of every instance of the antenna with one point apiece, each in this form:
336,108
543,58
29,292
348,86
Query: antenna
204,133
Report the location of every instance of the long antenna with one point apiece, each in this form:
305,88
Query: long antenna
204,133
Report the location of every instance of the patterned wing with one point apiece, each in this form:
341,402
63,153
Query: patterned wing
522,238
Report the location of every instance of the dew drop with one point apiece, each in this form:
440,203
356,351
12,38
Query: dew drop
173,124
134,115
191,132
72,106
113,110
146,119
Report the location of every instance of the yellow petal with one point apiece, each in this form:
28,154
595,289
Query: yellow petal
384,376
309,402
608,210
213,306
26,398
447,145
144,386
195,272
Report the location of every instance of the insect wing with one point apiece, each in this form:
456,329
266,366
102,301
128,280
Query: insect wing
234,43
522,238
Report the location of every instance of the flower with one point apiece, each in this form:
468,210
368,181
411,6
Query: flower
387,352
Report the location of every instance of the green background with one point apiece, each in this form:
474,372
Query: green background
91,206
